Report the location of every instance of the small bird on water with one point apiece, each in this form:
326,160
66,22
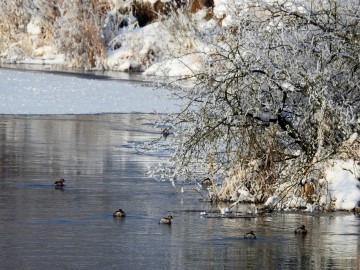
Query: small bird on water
119,213
206,182
301,230
166,132
59,183
250,235
166,220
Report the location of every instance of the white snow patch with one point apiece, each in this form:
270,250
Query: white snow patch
33,27
225,210
353,138
221,8
343,183
44,50
338,190
272,201
136,48
187,65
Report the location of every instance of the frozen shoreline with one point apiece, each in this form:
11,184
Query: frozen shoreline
135,77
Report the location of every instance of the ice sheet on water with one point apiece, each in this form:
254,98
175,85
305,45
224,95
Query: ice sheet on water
47,93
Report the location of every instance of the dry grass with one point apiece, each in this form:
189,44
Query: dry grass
260,184
349,150
78,35
9,24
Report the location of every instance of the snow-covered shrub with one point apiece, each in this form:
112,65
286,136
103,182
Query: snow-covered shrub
78,33
279,84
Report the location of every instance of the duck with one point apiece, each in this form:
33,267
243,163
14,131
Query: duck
59,183
165,133
206,182
166,220
301,230
119,213
250,235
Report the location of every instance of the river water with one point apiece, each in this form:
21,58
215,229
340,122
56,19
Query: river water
72,228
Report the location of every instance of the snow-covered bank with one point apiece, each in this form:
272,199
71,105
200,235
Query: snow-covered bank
118,38
338,189
46,93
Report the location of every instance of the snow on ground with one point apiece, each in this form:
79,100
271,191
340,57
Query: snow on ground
338,190
185,66
46,93
343,185
136,46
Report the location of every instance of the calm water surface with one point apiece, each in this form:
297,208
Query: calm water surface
73,228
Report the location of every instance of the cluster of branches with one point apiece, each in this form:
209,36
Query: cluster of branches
280,86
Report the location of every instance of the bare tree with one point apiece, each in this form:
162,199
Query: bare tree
279,93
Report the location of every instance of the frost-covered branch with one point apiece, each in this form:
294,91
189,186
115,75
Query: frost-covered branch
279,86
